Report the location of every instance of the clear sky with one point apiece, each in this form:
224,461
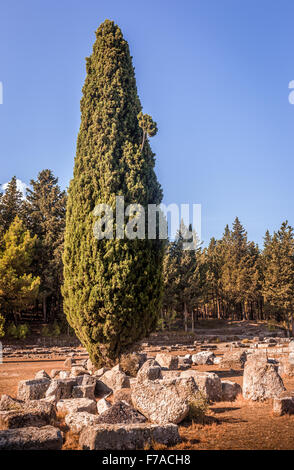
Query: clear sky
214,74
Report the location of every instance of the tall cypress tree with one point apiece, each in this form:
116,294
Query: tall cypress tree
112,288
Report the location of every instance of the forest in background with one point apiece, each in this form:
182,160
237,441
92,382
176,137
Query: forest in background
231,278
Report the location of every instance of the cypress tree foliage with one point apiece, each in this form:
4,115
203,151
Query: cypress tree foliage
112,287
45,217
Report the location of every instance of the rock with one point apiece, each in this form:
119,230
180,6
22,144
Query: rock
78,370
64,374
61,388
125,394
78,421
261,381
167,361
74,405
7,403
203,357
233,360
115,379
31,438
103,405
101,390
284,404
128,436
101,371
90,366
286,367
208,383
32,389
69,362
54,373
230,390
217,360
164,401
120,412
42,374
83,391
17,414
150,370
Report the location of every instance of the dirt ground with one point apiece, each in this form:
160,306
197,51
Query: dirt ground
230,425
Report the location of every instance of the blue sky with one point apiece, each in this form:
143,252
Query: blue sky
214,74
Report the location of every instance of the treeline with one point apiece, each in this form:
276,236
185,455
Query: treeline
232,278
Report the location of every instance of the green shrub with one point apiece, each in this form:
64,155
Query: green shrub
130,364
198,408
19,331
45,331
2,322
22,331
55,329
12,330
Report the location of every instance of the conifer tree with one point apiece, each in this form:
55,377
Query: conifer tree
112,287
45,217
278,285
11,205
18,287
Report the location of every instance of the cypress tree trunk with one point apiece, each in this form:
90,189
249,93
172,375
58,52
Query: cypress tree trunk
112,288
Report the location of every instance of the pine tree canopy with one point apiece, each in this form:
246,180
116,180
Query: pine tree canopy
18,287
112,288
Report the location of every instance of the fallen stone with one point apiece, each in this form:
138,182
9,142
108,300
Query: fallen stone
121,412
75,405
78,370
128,436
208,383
7,403
31,438
164,401
233,360
167,361
103,405
115,379
261,381
42,374
203,357
61,388
230,390
286,367
284,404
32,389
125,394
69,362
150,370
18,414
54,373
80,420
101,371
83,391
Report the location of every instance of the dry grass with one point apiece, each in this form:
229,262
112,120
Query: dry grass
71,441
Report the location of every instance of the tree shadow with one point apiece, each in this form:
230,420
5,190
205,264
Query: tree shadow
224,409
228,373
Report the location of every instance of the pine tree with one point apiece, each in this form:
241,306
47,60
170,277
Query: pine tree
278,285
45,216
11,205
18,287
112,287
